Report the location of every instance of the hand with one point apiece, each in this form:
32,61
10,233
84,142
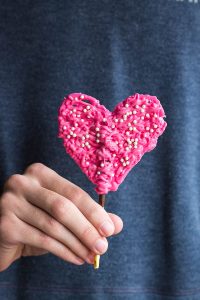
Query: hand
42,212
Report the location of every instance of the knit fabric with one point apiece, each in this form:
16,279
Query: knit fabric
106,145
109,49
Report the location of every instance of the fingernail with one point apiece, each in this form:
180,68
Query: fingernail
107,228
80,261
100,246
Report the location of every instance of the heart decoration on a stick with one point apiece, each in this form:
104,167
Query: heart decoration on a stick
107,145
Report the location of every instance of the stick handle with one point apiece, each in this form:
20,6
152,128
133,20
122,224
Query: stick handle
102,199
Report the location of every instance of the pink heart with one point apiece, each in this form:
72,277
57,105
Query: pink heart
107,145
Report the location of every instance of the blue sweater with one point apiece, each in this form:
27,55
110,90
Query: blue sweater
108,49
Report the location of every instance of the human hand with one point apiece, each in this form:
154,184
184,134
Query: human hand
42,212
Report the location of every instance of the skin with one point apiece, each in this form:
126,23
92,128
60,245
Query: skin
42,212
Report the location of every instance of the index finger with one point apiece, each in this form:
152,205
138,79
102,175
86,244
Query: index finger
50,180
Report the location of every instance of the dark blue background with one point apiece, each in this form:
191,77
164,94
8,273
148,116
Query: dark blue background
110,50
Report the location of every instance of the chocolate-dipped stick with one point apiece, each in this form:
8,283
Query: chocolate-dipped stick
102,199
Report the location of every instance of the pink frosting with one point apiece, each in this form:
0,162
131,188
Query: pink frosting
107,145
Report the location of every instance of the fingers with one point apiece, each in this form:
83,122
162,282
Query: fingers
33,237
118,223
54,215
66,213
96,215
39,219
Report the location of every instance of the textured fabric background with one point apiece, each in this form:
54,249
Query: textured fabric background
108,49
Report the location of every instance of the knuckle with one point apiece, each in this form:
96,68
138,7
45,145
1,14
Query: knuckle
10,203
78,193
6,199
44,240
94,212
35,169
87,233
15,182
51,225
59,208
97,214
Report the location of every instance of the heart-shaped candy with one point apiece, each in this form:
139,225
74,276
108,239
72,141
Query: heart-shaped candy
107,145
